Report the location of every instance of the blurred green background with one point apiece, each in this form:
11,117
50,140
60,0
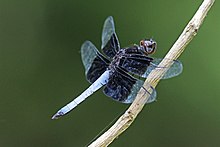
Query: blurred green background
41,70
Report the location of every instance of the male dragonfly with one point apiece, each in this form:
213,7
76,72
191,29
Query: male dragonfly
120,70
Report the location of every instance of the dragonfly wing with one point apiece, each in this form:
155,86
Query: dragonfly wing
110,43
136,87
136,64
123,88
94,62
175,70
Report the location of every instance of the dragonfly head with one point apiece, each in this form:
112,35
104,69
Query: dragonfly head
148,46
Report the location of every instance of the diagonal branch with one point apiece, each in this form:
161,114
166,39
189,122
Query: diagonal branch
154,77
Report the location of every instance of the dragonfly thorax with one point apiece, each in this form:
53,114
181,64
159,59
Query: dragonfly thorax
132,59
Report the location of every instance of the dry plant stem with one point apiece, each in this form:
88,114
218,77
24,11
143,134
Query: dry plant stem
128,117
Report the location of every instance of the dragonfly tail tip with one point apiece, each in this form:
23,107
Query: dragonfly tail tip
57,115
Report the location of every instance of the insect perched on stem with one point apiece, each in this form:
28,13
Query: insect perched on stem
114,71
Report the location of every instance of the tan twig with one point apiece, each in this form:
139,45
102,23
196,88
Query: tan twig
128,117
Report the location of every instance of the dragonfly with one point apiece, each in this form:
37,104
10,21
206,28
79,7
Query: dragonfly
120,71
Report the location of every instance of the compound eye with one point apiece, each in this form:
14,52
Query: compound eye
142,42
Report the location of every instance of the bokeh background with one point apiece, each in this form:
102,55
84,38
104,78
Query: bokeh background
41,70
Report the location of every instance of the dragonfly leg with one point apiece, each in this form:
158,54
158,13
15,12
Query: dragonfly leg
153,94
147,90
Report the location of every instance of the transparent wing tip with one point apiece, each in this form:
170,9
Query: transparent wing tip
152,98
175,70
108,30
85,44
109,22
153,95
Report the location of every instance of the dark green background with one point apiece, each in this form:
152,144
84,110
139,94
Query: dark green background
41,70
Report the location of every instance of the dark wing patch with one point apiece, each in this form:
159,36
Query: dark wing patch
110,43
123,88
112,46
94,62
98,67
119,85
136,63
